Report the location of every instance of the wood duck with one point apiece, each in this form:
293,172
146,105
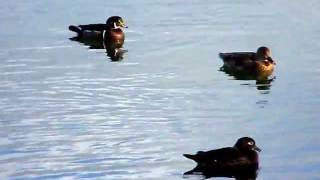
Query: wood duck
240,161
257,63
110,34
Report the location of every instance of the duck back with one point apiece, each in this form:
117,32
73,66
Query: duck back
237,56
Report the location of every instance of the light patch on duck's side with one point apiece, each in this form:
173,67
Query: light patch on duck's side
103,36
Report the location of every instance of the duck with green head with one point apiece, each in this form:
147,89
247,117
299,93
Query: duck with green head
257,63
110,34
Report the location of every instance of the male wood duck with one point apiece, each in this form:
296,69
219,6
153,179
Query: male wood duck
240,161
257,63
110,34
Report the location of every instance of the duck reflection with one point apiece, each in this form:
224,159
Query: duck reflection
109,36
115,54
237,174
262,82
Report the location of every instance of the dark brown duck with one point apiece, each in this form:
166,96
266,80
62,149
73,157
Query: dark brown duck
238,161
257,63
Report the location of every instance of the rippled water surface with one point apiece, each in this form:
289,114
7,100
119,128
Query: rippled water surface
68,112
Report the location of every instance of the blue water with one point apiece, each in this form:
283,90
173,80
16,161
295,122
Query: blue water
68,112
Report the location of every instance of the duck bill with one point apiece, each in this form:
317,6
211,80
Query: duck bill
257,149
271,60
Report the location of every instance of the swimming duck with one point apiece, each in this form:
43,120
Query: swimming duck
257,63
110,34
238,161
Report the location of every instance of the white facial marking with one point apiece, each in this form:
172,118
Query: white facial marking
115,26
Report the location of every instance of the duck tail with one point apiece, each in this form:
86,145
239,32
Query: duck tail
190,156
76,29
223,55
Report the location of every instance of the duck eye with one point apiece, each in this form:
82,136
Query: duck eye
250,143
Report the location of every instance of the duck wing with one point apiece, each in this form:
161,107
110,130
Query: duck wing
237,61
80,29
215,156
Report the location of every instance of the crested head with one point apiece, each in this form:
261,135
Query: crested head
246,144
116,22
263,52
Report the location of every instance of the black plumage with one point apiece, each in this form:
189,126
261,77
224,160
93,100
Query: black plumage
237,161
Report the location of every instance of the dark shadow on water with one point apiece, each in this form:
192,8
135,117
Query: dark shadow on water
244,173
262,82
115,54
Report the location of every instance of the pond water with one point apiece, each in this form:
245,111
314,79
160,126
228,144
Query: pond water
68,112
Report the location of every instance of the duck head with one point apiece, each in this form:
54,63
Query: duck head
116,22
246,144
264,53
